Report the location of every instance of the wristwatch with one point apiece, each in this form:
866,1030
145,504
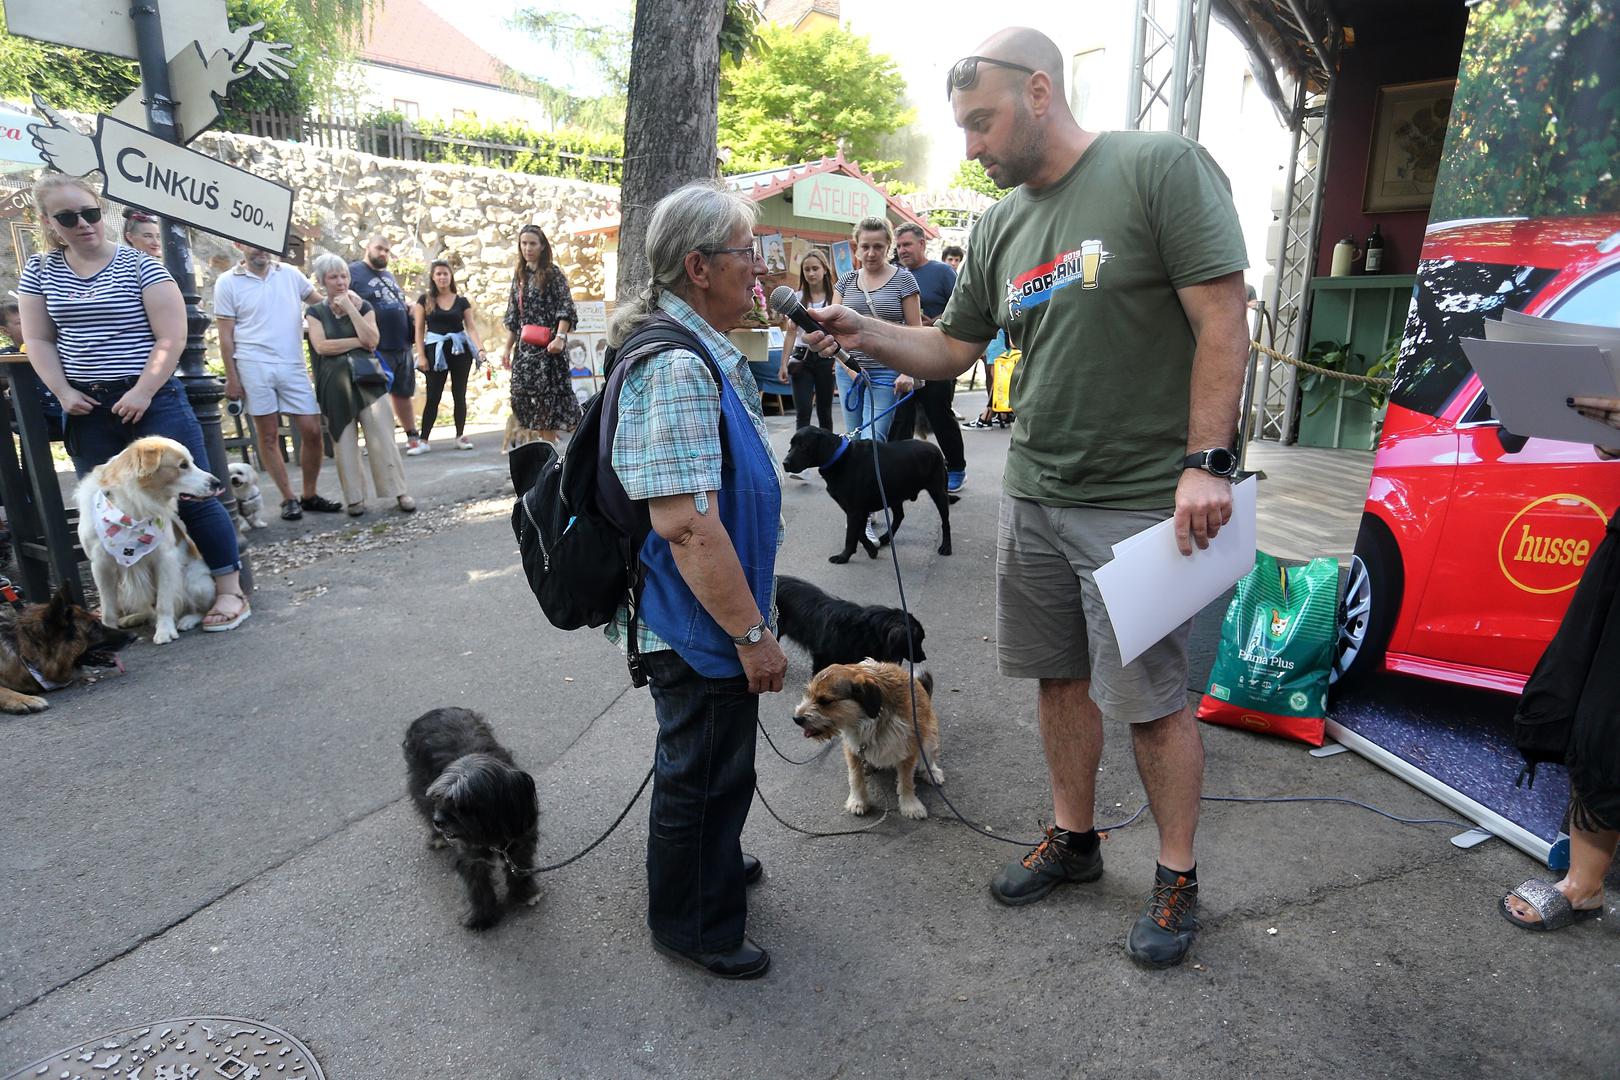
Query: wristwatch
752,636
1219,462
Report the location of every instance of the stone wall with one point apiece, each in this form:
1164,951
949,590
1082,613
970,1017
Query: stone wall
467,215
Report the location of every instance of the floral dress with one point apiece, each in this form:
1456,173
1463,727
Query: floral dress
542,392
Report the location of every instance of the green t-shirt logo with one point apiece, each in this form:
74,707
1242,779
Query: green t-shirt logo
1035,287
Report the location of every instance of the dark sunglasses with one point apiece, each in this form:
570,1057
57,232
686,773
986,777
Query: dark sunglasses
69,218
964,74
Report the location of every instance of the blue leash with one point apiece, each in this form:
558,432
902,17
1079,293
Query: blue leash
857,391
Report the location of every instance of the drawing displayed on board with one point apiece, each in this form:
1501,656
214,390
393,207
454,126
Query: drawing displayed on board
775,255
843,258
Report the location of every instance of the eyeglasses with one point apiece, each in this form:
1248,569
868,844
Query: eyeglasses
749,251
964,74
69,218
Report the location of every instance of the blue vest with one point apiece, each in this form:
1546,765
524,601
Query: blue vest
750,508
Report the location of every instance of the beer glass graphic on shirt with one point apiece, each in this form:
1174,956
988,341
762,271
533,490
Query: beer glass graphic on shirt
1091,254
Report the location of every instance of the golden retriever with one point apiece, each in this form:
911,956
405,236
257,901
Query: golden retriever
869,704
145,565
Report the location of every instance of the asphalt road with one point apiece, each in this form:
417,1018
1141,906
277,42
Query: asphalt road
223,830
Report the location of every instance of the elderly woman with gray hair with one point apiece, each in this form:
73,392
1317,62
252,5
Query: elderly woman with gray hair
352,388
692,455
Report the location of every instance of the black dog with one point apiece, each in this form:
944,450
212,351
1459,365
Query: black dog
471,794
909,468
835,631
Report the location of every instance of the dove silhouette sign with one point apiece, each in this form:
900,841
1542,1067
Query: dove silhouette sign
141,170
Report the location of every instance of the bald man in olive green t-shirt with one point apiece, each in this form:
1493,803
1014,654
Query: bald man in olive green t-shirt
1116,266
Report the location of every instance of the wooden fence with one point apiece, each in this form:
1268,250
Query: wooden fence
405,142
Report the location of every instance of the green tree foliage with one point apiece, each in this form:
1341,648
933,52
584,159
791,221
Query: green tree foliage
971,175
322,34
607,50
1535,124
798,97
66,78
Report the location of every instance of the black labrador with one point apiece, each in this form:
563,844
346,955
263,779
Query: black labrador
909,469
835,631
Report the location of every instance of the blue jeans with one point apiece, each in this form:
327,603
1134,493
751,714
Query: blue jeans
875,398
703,785
98,436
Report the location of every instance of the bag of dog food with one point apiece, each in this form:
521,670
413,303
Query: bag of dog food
1271,673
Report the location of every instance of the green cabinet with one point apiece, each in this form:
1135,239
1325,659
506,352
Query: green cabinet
1366,312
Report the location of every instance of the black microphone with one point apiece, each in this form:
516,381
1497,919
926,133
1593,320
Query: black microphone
785,302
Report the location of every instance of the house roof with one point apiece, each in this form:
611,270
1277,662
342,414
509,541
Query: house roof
761,185
408,34
791,13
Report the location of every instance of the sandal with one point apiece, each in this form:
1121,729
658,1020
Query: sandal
227,622
357,508
1545,899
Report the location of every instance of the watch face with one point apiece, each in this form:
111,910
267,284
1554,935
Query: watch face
1222,462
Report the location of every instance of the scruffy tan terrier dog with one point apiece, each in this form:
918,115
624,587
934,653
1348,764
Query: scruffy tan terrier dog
870,705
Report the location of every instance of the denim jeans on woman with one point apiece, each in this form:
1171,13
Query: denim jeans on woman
703,785
97,436
875,399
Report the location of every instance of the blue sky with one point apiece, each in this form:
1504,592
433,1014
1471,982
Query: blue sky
485,22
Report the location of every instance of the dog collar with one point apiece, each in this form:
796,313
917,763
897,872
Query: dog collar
44,683
843,444
126,539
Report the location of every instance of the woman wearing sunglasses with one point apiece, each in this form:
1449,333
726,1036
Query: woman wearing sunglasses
105,325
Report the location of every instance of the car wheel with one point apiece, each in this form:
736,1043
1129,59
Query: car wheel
1372,596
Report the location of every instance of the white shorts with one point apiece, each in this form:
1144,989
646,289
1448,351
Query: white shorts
277,388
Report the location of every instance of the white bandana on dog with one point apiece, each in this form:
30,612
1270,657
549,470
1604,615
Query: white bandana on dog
127,540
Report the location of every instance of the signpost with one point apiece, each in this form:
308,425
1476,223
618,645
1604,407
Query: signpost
194,43
833,197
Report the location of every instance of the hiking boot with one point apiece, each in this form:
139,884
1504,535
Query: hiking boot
1169,923
1049,864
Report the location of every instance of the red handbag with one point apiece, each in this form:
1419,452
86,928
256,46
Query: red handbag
537,335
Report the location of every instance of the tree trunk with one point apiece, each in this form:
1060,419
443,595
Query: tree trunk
671,120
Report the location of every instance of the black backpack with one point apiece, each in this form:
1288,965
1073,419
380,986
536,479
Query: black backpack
578,534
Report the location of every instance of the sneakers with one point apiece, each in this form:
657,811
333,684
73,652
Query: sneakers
979,424
1051,863
954,480
417,448
1169,923
462,443
319,505
872,535
291,511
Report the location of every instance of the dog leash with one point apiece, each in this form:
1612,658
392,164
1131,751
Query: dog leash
826,747
527,871
858,387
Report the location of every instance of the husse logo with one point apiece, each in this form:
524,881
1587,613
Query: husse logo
1545,552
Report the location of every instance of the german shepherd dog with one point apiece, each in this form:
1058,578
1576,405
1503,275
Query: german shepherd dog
47,646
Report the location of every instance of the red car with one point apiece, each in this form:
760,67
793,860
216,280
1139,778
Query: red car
1473,538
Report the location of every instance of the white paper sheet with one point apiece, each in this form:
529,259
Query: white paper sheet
1150,587
1531,329
1529,383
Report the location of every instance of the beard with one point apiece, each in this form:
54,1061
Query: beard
377,262
1022,159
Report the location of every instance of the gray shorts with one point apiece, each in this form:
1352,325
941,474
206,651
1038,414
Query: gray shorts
1050,618
403,364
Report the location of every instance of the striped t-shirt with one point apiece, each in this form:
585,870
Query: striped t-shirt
101,327
885,305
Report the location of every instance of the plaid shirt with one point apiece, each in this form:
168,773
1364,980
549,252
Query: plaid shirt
668,438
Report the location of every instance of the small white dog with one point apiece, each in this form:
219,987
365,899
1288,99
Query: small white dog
145,565
249,502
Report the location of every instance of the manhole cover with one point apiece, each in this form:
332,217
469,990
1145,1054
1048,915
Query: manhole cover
187,1048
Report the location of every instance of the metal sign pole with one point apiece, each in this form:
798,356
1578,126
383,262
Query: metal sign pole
202,389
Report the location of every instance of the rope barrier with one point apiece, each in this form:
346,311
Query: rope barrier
1368,380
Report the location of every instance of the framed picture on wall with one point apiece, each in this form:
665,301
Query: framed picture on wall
1409,132
775,254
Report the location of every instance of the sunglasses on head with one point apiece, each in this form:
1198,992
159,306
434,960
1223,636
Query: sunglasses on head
69,218
964,74
142,216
